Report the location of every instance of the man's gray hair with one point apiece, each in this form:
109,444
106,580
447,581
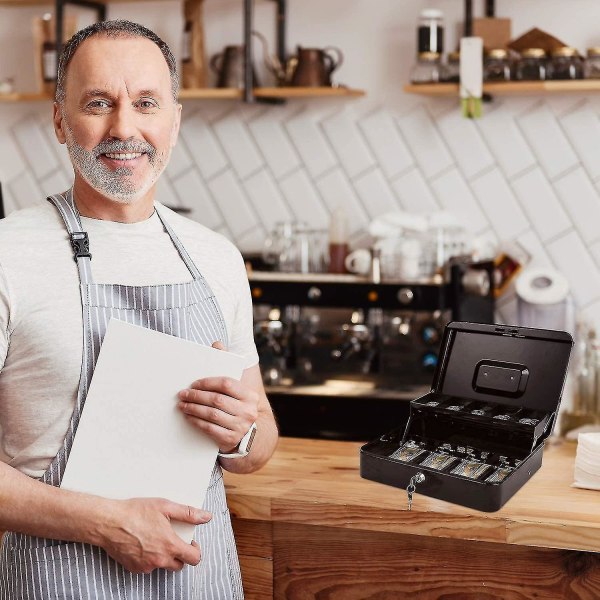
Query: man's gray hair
115,29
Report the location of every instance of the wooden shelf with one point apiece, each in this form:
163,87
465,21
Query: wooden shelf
52,2
210,94
225,94
510,88
307,92
31,97
271,92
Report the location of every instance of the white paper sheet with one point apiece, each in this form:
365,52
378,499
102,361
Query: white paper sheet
132,440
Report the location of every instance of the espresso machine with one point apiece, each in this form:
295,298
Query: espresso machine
342,356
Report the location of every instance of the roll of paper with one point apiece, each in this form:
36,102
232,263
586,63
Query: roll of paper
542,286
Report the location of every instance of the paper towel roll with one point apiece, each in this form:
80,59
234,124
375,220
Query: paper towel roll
542,286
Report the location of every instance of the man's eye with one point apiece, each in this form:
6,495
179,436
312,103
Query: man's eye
146,103
98,104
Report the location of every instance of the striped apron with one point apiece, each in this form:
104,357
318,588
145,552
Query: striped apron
33,568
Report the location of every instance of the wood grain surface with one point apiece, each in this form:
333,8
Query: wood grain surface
308,527
321,562
317,482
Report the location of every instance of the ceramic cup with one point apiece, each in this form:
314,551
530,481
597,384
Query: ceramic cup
358,261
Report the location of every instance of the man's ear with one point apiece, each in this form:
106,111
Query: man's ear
59,123
176,125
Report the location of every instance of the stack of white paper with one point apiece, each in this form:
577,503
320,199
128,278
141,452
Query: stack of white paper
132,440
587,461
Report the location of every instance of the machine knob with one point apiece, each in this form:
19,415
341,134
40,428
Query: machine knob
431,334
476,282
429,361
405,296
314,293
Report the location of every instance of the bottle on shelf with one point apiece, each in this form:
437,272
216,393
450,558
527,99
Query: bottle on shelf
430,31
496,66
430,46
566,64
532,66
428,68
49,59
451,72
592,63
338,241
45,51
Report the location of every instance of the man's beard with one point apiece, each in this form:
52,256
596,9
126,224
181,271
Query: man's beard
115,184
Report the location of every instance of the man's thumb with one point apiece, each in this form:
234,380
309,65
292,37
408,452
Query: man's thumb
218,346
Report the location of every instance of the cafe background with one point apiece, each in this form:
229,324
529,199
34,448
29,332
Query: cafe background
527,171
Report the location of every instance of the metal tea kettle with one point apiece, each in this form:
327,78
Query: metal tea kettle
309,67
282,71
315,66
229,68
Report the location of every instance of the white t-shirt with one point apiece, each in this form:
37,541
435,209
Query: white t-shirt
41,319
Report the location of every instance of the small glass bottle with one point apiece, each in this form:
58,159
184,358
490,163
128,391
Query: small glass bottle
427,69
338,241
451,72
592,63
496,66
186,43
566,64
532,65
430,31
48,50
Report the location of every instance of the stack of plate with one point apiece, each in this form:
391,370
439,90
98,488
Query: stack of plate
587,461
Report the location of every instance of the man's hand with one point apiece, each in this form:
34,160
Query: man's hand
221,407
140,537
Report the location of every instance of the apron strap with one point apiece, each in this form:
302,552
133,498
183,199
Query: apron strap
189,263
77,236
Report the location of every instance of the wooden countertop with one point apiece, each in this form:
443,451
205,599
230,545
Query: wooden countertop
316,482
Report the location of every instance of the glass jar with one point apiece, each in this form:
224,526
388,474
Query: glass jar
566,64
451,72
496,66
592,63
532,65
430,31
428,68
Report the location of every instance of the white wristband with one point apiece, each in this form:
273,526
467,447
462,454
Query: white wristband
243,447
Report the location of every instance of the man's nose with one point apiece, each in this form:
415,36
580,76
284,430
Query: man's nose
122,123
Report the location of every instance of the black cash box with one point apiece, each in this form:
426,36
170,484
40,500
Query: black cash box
478,436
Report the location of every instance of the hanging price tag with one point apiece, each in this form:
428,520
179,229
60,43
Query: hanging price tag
471,76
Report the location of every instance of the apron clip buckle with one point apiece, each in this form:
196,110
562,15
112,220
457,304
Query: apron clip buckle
80,244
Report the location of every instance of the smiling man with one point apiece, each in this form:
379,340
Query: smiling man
116,110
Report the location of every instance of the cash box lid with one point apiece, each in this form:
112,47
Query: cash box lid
515,366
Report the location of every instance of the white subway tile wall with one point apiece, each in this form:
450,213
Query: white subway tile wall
505,141
348,144
232,202
580,198
454,195
550,145
582,128
465,143
528,171
500,205
269,134
201,141
414,193
542,207
383,136
29,136
573,259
